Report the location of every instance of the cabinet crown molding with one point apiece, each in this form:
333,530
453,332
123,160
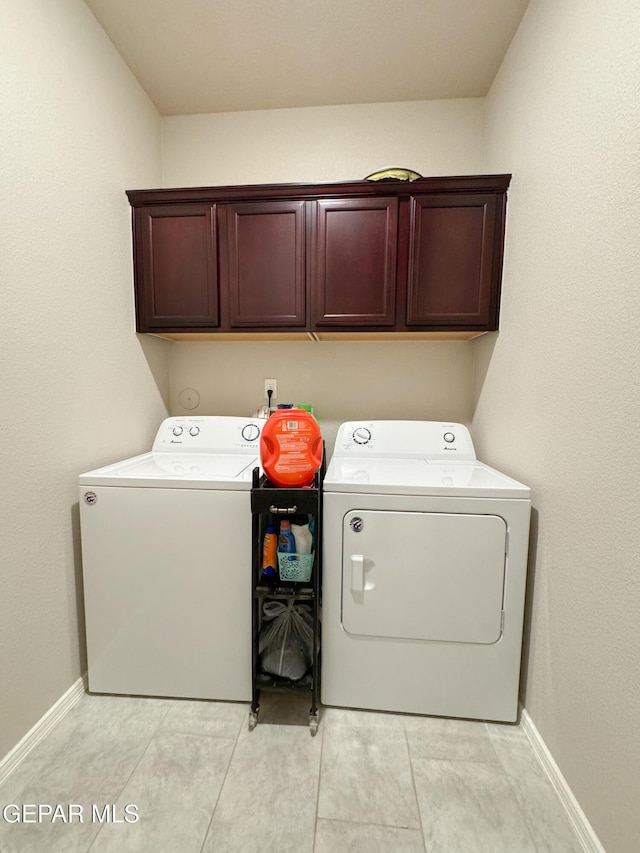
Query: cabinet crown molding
251,192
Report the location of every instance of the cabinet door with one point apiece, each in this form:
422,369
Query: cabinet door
354,249
265,264
176,266
454,271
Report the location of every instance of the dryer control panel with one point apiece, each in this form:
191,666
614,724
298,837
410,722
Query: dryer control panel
404,440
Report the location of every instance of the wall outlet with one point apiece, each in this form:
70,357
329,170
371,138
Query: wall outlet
271,385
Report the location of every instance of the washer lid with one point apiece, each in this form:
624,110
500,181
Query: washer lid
420,477
177,470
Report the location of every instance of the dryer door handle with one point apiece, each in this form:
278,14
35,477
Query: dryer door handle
357,573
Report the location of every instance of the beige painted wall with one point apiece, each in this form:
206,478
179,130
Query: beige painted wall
558,400
342,380
322,143
78,388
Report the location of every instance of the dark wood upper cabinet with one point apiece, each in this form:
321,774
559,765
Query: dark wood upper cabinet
451,260
353,262
263,265
420,258
176,267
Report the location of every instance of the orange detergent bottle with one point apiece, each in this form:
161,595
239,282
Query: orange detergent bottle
291,448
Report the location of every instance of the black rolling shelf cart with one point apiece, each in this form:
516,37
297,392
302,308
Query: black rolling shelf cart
269,504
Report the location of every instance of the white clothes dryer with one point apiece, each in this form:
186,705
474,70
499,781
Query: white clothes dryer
166,557
424,572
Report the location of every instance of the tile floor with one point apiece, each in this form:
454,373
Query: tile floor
202,783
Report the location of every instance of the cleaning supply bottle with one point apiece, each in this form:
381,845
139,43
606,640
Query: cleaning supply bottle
306,407
291,448
286,542
269,555
302,537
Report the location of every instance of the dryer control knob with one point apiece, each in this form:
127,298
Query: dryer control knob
177,430
449,437
194,430
362,435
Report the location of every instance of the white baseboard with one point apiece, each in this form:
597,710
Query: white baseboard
41,729
578,818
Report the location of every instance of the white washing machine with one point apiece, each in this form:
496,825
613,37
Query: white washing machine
424,571
166,556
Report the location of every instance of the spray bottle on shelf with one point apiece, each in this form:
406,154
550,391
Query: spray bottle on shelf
269,553
286,542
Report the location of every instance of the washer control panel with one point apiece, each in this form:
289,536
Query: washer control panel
210,434
180,430
404,439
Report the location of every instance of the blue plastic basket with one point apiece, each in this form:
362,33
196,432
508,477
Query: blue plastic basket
295,567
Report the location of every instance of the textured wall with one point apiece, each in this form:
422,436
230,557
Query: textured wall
78,388
343,380
322,143
558,400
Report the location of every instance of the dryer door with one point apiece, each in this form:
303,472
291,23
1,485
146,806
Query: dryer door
423,576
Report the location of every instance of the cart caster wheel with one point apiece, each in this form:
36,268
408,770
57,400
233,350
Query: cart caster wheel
253,720
313,726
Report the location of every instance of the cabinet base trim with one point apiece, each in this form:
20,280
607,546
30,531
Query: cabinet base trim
317,336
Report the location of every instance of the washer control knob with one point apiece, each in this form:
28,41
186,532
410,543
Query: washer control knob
194,430
177,430
362,435
449,437
250,432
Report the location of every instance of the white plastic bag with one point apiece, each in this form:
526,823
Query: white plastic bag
286,639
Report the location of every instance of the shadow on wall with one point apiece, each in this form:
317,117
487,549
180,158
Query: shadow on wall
482,355
528,604
77,571
156,352
484,348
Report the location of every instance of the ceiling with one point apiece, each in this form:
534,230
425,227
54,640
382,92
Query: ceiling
204,56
